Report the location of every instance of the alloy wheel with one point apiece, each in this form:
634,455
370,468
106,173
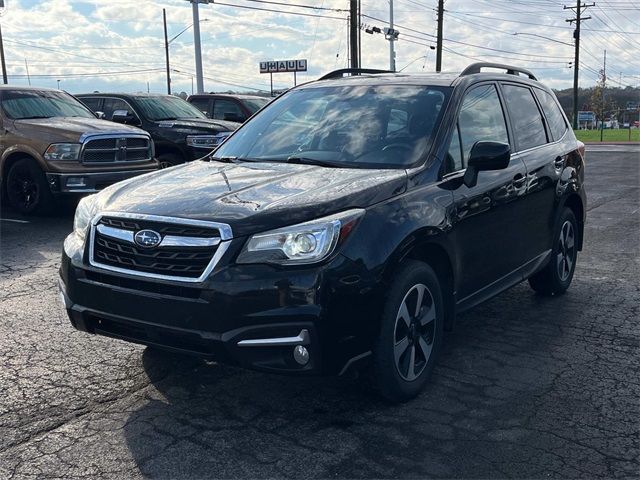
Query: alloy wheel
566,251
23,189
414,332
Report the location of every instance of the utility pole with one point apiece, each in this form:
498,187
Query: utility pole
604,86
198,49
4,66
359,35
166,50
353,32
576,63
392,38
439,45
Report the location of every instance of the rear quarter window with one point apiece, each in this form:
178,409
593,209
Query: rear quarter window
555,117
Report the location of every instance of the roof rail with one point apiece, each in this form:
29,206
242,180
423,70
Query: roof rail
355,71
476,67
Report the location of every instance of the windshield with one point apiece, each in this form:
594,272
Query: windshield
255,104
387,126
24,104
167,108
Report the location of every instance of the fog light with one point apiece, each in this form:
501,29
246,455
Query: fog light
301,355
76,182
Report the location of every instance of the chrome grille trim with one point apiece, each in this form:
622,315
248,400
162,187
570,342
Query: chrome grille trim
120,152
223,242
167,241
126,235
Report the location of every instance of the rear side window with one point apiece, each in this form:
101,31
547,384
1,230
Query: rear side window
555,118
481,119
227,110
525,115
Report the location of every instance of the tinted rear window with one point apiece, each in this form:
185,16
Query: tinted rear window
555,117
525,116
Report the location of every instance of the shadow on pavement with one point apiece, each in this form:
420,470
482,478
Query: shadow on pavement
208,420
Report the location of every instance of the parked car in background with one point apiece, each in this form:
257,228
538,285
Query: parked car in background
51,145
235,108
323,240
180,131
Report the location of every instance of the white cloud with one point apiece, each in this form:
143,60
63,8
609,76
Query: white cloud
62,39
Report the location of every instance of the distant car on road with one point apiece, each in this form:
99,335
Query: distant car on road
52,145
180,131
235,108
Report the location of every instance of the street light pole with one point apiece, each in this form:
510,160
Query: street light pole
4,66
166,50
198,50
392,53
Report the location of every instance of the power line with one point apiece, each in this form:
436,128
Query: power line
270,2
278,11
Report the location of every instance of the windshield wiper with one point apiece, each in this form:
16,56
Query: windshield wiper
165,119
315,161
33,117
225,159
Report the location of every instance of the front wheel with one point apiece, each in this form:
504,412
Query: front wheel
27,189
555,278
411,332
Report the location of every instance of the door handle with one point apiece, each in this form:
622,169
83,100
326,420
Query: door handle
519,180
559,163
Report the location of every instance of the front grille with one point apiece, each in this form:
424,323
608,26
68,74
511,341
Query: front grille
163,228
188,262
116,149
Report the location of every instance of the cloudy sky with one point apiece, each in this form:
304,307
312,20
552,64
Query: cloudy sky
117,45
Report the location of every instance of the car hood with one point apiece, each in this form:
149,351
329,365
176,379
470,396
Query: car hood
70,129
199,124
251,197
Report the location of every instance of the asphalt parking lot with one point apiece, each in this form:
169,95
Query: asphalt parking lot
526,386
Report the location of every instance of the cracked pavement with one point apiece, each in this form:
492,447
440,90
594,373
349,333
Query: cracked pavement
525,387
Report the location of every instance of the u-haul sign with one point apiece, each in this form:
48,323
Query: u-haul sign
277,66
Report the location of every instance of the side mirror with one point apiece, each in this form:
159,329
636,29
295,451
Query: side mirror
123,116
100,115
486,156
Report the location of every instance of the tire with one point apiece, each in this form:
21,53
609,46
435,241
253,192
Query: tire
395,375
555,278
167,160
27,189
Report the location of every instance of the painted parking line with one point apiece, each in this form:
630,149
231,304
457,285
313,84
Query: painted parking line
613,148
13,220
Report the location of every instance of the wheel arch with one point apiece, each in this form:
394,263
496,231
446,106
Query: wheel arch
434,252
8,160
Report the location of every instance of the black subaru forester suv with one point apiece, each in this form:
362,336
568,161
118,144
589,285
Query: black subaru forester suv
343,226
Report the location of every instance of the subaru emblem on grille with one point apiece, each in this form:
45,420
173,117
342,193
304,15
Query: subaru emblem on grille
147,238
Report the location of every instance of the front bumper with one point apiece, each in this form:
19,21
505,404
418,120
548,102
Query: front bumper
89,182
252,315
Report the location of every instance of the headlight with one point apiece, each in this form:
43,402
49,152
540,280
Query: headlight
206,141
86,210
62,151
304,243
